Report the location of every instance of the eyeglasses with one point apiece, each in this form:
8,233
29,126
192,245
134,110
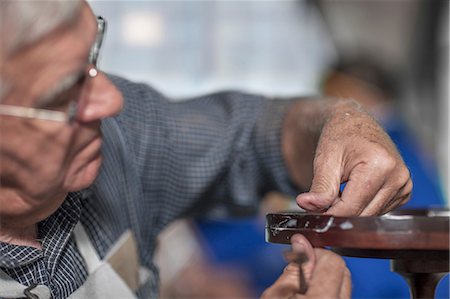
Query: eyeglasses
69,113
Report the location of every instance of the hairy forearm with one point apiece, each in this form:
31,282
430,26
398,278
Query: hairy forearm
302,129
329,142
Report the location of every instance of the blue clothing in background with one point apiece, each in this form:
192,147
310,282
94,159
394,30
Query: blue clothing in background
426,191
241,243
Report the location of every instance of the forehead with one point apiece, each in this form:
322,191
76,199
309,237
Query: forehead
37,68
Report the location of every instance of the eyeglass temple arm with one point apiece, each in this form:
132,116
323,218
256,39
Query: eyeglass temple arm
101,28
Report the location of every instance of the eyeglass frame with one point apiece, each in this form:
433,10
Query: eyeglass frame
69,115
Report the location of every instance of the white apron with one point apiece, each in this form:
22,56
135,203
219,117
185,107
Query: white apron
102,282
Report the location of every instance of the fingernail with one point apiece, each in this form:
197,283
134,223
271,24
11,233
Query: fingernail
299,244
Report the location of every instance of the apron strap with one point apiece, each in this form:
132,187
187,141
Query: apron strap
86,248
9,288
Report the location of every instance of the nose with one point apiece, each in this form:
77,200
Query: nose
100,99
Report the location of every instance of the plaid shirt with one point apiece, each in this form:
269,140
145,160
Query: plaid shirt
162,160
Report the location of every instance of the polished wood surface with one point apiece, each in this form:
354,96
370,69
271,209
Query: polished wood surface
416,241
408,230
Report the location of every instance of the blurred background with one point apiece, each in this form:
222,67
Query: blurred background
390,55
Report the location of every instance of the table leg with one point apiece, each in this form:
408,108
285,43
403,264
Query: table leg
422,275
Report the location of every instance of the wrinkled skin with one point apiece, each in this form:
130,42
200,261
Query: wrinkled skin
41,161
326,144
325,272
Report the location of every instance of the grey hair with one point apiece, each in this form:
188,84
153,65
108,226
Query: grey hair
25,22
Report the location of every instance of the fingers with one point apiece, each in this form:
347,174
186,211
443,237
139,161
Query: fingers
330,278
353,148
288,284
400,199
325,183
360,190
384,202
325,271
374,189
346,287
377,182
301,245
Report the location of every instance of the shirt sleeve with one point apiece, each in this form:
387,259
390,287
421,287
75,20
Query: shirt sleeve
219,152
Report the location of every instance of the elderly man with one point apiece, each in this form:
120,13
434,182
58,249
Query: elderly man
93,167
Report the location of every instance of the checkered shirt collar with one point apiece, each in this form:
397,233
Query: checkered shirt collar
54,232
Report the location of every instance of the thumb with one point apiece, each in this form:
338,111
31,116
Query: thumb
324,187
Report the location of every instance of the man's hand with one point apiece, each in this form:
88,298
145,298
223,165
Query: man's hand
338,142
326,275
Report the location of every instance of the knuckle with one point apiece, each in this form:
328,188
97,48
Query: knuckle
387,163
382,159
403,176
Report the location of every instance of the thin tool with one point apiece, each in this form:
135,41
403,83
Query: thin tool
299,258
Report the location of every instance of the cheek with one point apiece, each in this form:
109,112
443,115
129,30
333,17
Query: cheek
33,160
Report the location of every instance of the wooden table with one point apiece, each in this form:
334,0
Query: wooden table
416,241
